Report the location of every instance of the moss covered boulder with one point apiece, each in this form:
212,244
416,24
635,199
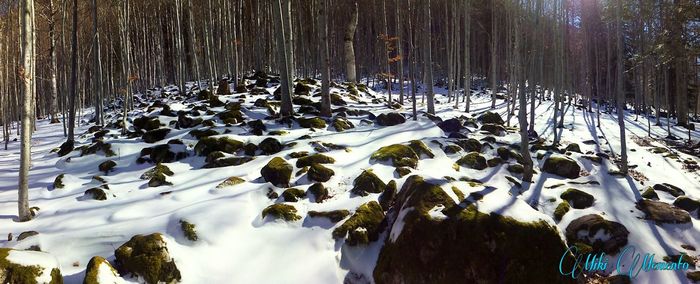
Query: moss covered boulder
390,119
573,147
399,155
473,160
201,133
58,182
277,171
146,123
66,148
334,216
207,145
319,192
314,122
363,226
387,197
450,125
650,193
562,166
231,116
306,161
687,204
157,175
107,166
155,135
661,212
367,182
317,172
98,146
270,146
577,199
452,149
28,266
189,230
491,117
98,270
147,257
293,194
470,145
516,168
586,230
341,124
229,182
421,149
281,211
494,129
437,241
669,188
561,210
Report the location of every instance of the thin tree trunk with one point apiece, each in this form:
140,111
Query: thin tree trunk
350,73
27,18
325,60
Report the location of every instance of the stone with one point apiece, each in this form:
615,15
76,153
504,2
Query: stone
277,171
390,119
671,189
367,182
577,199
562,166
147,256
661,212
586,229
317,172
473,160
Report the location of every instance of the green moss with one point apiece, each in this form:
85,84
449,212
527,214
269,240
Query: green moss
341,124
399,155
58,181
15,273
281,211
207,145
230,182
98,146
93,269
562,166
314,159
420,148
459,193
473,160
313,122
335,216
367,182
363,226
470,145
189,230
96,193
277,171
147,256
56,277
561,209
319,192
293,194
649,193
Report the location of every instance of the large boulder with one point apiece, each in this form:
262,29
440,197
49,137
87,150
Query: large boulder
153,136
450,125
562,166
431,239
399,155
207,145
473,160
661,212
491,117
277,171
28,266
577,199
318,172
367,182
584,233
100,271
147,257
390,119
671,189
363,227
270,146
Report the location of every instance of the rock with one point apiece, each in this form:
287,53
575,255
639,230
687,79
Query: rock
58,182
367,182
300,154
402,171
207,145
147,257
334,216
649,193
165,153
107,166
314,159
341,124
671,189
450,125
227,162
319,192
155,135
491,117
270,146
452,149
293,194
473,160
586,230
494,129
96,193
231,116
436,241
26,234
146,123
577,199
387,197
562,166
493,162
561,210
399,155
593,158
661,212
28,266
184,121
470,145
281,211
229,182
99,145
257,125
66,148
313,122
516,168
277,171
390,119
362,227
318,172
199,134
98,270
573,147
687,204
420,148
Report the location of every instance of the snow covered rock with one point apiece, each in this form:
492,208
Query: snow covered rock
584,232
25,266
562,166
99,271
277,171
363,227
661,212
399,155
147,257
435,240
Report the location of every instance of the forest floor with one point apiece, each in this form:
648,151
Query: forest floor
236,244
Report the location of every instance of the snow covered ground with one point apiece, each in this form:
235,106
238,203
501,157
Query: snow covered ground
237,245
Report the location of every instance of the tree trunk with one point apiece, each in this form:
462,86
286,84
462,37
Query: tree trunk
428,60
53,69
620,90
73,75
350,72
27,18
325,60
467,74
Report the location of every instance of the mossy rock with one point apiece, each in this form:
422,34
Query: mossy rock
250,149
293,194
473,160
147,256
270,146
35,266
318,172
363,226
452,149
232,181
319,192
341,124
562,166
334,216
420,148
503,153
257,124
516,168
231,116
66,148
58,182
399,155
390,119
300,154
470,145
337,100
165,153
454,248
387,197
493,162
314,159
228,162
661,212
694,276
561,210
281,211
671,189
277,171
573,147
199,133
491,117
94,272
107,166
207,145
213,156
158,179
649,193
687,204
314,122
593,158
577,199
586,229
277,132
146,123
402,171
158,169
494,129
188,229
367,182
450,125
153,136
98,146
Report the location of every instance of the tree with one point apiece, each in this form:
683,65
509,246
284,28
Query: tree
467,74
53,99
428,60
350,73
27,18
620,89
73,93
494,50
325,69
282,59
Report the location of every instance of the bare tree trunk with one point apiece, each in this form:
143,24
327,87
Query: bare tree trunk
428,59
27,18
494,50
467,74
97,77
399,51
283,63
620,90
53,99
325,60
73,75
350,73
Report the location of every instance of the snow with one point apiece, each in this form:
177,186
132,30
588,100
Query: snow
33,258
235,243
